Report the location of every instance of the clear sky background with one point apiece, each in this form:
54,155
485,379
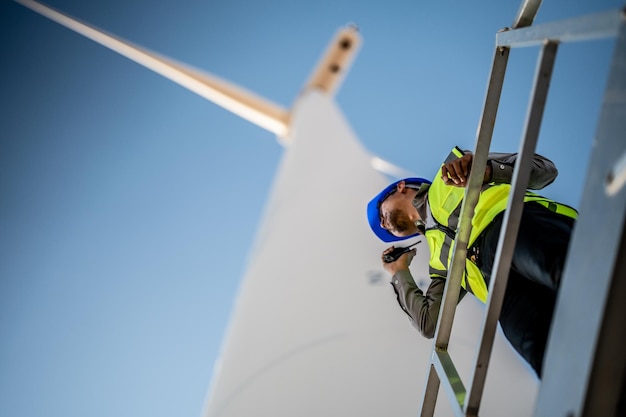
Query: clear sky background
128,205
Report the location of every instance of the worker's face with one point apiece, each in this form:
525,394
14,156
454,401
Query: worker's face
398,214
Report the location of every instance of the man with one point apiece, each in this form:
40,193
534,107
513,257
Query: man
416,206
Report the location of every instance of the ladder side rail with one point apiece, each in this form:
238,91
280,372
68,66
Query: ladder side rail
592,26
511,221
526,13
453,284
486,126
431,391
589,317
606,391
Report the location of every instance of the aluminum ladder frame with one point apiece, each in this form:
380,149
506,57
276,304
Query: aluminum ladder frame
605,180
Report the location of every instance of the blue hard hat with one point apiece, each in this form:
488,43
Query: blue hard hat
373,209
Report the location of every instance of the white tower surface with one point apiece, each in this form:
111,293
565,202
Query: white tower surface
316,329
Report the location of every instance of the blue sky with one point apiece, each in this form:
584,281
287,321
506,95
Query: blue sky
128,205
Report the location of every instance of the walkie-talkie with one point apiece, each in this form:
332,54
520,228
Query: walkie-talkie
396,252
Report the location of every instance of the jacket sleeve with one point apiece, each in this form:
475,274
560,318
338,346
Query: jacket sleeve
422,309
542,172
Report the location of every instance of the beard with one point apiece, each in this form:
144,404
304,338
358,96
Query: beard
399,221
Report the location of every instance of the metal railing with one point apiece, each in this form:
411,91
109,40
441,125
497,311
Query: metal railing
442,371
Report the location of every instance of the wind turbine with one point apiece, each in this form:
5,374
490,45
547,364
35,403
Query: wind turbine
315,330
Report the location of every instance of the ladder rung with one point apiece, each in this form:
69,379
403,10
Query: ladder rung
450,379
595,26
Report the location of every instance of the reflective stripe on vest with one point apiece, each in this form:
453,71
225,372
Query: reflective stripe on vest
438,266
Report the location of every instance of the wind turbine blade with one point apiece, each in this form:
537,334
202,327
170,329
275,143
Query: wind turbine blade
245,104
390,169
335,63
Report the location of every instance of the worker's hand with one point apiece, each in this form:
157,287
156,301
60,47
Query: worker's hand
402,263
456,172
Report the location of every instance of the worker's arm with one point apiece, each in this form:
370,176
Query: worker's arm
499,170
542,170
422,309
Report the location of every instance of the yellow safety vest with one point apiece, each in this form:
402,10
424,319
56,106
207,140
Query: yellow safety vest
444,204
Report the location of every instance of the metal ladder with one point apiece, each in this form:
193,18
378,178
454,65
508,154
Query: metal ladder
594,386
